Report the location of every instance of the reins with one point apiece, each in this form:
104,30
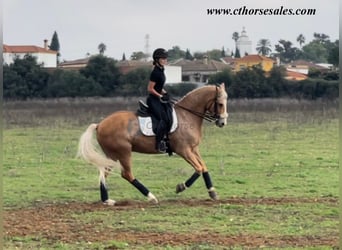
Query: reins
206,115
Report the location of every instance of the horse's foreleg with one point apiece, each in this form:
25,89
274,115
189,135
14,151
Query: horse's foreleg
211,190
194,158
209,185
182,186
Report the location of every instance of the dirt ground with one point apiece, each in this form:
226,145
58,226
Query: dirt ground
55,223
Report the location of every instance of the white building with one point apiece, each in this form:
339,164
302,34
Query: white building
46,57
173,74
243,44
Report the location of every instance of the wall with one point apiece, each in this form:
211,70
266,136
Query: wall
173,74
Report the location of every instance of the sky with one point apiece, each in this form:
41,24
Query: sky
122,25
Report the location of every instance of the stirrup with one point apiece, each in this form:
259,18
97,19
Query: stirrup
162,146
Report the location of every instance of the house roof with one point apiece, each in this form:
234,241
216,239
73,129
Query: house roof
82,61
292,75
305,63
134,63
127,66
228,59
200,65
26,49
253,58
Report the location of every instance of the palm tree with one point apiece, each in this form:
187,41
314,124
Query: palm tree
102,47
301,40
264,47
320,37
235,37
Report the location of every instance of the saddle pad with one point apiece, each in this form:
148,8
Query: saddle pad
145,124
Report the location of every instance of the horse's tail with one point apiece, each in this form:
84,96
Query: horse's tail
88,150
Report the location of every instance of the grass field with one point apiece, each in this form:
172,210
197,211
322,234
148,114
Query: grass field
275,168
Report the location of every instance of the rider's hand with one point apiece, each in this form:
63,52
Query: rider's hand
164,98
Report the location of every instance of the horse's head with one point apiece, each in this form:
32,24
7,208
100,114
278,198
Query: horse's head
220,106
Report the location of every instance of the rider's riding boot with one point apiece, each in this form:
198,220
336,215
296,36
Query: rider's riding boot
162,146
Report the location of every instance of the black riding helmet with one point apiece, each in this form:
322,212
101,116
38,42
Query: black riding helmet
159,53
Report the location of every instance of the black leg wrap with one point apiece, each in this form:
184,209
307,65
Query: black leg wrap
207,180
140,187
192,179
104,192
208,183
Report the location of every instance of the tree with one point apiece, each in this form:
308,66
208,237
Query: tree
315,51
320,37
103,70
123,57
223,52
102,48
66,83
24,78
286,52
333,56
199,55
235,37
14,85
188,55
225,76
135,82
237,53
321,50
54,45
276,80
215,54
137,55
175,53
264,47
301,40
250,83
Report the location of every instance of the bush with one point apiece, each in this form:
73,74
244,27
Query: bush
103,70
134,83
24,78
71,84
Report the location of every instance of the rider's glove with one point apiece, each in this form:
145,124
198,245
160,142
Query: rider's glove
165,98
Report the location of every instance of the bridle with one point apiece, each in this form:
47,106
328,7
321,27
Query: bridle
207,115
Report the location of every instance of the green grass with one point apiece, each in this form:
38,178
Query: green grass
224,219
40,165
257,155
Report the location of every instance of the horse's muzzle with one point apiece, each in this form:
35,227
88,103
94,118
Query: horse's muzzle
221,121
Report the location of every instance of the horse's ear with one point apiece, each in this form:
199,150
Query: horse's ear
222,85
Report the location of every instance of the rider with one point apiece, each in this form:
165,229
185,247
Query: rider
157,98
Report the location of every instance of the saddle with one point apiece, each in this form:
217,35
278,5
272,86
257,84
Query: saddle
146,121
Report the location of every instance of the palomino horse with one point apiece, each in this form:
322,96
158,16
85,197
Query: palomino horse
119,134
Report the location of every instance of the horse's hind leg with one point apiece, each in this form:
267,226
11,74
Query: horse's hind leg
104,191
127,174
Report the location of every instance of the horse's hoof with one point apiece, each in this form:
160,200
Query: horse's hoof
180,188
213,195
152,198
109,202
